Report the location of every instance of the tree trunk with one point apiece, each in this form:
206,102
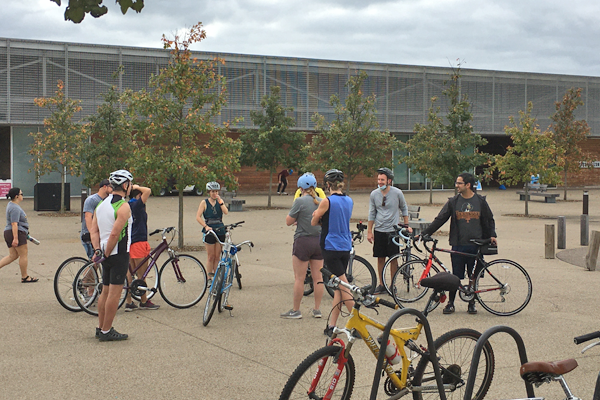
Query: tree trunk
430,191
270,188
526,199
348,188
565,193
62,190
180,223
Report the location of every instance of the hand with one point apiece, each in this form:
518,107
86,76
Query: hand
494,241
370,237
409,229
208,228
15,242
97,256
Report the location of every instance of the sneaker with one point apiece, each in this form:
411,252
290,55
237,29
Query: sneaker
380,290
472,309
317,313
112,336
97,333
328,331
291,314
129,307
148,305
449,309
278,193
284,193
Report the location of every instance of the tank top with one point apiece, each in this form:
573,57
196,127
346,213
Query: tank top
106,215
335,225
213,216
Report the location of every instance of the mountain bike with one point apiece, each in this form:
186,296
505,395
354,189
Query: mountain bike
181,280
403,239
63,282
330,371
502,287
227,268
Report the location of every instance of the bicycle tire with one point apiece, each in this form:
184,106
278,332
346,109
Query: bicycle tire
454,350
89,277
507,301
151,280
402,259
363,274
238,276
225,293
214,296
308,283
300,381
63,282
182,281
405,284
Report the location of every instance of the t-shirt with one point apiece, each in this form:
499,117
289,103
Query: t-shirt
385,217
302,211
106,215
468,213
89,206
14,213
139,228
284,174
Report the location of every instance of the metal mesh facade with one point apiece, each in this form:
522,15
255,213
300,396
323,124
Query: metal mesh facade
30,69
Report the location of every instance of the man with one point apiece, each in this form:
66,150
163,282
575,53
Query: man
111,237
385,205
470,218
88,212
282,180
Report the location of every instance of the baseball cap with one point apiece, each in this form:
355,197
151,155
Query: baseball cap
104,182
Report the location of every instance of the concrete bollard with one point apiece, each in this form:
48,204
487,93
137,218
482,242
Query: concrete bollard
585,230
84,194
586,202
562,233
592,256
549,241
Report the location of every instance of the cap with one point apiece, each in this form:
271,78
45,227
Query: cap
104,182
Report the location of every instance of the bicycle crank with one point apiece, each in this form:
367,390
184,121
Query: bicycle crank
138,287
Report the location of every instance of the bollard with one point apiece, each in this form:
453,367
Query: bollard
591,258
586,199
585,230
562,233
84,193
549,242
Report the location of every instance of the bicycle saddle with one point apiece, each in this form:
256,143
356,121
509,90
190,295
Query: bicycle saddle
539,372
442,281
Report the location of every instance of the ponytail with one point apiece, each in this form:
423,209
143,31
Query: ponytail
311,191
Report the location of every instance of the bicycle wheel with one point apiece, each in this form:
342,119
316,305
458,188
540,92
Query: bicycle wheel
63,282
362,275
386,273
503,288
236,269
308,283
182,281
88,286
225,294
454,351
405,284
303,379
151,282
214,296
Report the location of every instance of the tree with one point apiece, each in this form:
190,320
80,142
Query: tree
77,9
59,148
532,152
569,133
353,142
273,144
174,135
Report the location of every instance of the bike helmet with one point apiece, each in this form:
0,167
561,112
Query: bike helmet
120,177
213,186
334,175
387,172
307,180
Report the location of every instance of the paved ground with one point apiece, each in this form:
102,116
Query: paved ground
50,353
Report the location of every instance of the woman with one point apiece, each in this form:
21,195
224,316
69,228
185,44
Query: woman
15,234
306,246
334,215
210,216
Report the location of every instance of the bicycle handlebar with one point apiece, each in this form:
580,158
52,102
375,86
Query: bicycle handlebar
586,337
238,246
163,230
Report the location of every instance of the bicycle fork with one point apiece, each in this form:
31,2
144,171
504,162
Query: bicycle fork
341,363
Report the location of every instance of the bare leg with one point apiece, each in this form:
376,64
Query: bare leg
213,252
380,265
393,268
300,268
12,256
110,304
23,253
317,277
340,295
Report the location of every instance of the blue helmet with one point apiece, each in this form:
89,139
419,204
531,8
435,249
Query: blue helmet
307,180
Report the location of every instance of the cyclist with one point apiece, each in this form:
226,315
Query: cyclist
140,248
334,214
89,206
111,237
320,193
385,204
306,246
210,216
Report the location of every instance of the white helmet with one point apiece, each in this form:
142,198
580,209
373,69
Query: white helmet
120,177
213,186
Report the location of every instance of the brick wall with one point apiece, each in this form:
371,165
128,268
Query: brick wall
591,176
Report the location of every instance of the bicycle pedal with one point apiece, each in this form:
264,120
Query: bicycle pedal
228,307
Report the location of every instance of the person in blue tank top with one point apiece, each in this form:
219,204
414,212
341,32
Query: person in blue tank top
334,215
210,216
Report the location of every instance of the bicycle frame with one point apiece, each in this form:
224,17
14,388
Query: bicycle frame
162,246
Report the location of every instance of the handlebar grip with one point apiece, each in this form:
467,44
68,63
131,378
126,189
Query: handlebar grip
154,232
585,338
387,303
326,272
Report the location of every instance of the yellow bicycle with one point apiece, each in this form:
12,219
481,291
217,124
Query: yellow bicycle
329,372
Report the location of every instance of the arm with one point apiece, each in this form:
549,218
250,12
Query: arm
15,232
200,217
88,220
371,218
94,232
490,224
145,192
123,214
222,205
290,220
440,220
319,212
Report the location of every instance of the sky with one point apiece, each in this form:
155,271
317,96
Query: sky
543,36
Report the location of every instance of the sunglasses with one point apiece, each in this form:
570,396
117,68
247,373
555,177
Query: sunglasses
383,203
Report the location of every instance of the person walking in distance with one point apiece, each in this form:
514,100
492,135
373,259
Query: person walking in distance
111,237
210,216
89,206
282,179
385,205
470,218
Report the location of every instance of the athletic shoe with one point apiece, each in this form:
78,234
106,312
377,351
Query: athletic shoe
97,333
328,331
129,307
472,309
316,313
449,309
112,336
380,290
291,314
284,193
149,306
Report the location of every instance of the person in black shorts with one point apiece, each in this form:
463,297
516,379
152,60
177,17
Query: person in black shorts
210,216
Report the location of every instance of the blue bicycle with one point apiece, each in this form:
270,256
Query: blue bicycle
227,268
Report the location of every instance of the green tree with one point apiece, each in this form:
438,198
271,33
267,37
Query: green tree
532,152
174,135
273,144
352,142
59,148
569,133
77,9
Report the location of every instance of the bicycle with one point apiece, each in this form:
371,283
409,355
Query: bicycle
401,238
63,282
181,281
330,371
227,268
502,287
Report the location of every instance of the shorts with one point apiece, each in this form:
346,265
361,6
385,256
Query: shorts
307,248
114,269
336,261
139,249
383,245
210,239
8,238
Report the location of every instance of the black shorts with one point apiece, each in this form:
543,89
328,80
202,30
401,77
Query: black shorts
114,269
383,245
8,238
210,239
336,261
307,248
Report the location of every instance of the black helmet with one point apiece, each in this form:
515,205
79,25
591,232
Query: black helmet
334,175
387,172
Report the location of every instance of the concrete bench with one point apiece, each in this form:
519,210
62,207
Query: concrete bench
536,187
548,197
416,223
237,205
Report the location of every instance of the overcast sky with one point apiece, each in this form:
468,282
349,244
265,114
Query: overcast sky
545,36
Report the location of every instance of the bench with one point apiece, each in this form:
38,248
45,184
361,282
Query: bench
236,205
416,223
548,197
536,187
232,204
